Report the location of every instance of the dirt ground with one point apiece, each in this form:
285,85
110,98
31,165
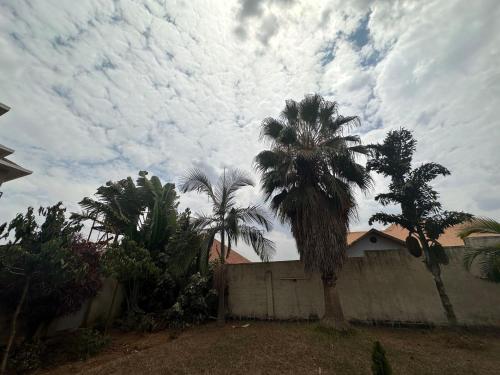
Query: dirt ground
292,348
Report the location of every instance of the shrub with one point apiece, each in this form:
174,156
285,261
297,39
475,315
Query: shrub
28,356
86,343
195,303
380,365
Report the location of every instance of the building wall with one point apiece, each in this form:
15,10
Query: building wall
383,286
365,244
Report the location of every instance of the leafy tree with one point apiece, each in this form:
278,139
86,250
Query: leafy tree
380,364
115,212
309,176
488,257
131,265
229,221
36,264
421,212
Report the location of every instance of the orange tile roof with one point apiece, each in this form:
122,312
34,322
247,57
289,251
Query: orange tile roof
448,238
354,236
233,258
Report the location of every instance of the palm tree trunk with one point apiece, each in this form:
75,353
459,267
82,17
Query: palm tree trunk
445,300
334,315
435,270
13,325
221,283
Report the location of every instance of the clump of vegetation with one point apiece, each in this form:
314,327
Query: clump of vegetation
86,343
380,364
46,271
153,250
75,346
421,212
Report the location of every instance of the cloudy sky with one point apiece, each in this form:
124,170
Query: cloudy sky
101,89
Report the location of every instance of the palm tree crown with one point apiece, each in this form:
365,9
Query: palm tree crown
309,176
227,219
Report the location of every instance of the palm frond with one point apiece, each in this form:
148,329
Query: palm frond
254,237
197,180
488,259
480,225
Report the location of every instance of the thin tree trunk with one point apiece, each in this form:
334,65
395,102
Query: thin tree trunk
221,284
334,315
435,270
445,300
14,324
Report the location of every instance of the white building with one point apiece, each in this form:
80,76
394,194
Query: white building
8,169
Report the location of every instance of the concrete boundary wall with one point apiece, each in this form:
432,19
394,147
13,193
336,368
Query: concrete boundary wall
387,286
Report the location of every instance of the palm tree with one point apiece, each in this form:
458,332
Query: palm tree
489,256
229,221
309,176
421,212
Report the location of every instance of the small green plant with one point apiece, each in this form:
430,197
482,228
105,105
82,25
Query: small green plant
380,364
87,343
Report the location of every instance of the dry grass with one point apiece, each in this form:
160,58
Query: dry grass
293,348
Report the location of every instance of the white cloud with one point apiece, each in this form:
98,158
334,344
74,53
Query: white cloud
100,90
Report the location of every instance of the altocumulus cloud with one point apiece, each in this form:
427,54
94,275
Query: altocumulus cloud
102,89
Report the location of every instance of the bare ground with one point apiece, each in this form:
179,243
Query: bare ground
293,348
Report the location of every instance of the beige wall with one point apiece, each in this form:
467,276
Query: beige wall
390,286
96,309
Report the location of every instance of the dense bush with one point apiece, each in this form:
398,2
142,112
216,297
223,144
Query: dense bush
28,356
79,345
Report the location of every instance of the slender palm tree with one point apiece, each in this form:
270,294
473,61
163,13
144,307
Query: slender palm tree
488,257
309,176
229,221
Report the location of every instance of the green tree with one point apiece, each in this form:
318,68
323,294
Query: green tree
380,364
36,262
488,257
229,221
309,176
421,212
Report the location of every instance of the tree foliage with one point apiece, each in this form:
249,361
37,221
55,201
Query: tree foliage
487,257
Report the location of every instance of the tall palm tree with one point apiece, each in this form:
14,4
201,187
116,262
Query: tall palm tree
309,176
487,256
229,221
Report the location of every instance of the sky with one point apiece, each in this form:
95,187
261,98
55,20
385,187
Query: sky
102,89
